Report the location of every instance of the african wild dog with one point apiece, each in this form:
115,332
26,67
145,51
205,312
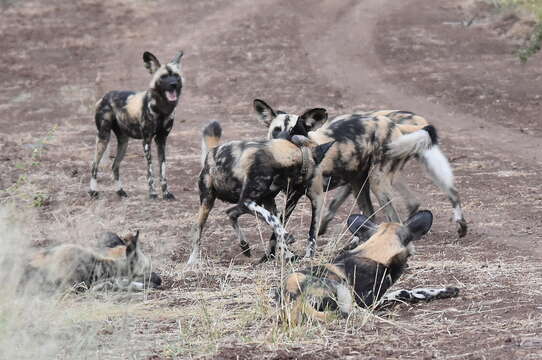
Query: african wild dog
140,115
364,272
252,173
113,246
75,267
356,133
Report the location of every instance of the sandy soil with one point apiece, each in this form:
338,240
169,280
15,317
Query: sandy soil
342,55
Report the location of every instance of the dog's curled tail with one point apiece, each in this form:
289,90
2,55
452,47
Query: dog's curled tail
211,138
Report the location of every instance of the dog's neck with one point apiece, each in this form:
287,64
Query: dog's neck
161,105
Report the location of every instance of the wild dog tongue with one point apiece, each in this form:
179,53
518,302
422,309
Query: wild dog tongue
171,95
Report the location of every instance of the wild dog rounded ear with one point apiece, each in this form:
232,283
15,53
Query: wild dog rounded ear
151,62
361,226
264,112
320,151
419,223
131,243
314,118
178,56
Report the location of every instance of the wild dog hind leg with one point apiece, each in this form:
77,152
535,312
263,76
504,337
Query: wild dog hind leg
122,145
150,175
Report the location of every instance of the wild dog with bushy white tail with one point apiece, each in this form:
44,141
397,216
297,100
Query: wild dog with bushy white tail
71,266
359,136
362,274
250,174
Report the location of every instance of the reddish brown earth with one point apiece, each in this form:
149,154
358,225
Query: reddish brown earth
343,55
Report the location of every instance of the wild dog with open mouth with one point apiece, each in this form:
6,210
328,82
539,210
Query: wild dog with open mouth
356,134
250,174
71,266
140,115
362,274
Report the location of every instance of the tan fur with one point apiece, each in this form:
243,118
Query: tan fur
134,105
384,246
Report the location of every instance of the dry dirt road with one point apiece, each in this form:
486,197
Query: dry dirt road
342,55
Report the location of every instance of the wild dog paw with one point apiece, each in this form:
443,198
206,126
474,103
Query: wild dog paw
153,196
462,227
121,193
168,196
246,249
93,194
289,239
265,258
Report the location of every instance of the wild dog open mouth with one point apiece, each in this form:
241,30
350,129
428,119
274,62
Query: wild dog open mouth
171,95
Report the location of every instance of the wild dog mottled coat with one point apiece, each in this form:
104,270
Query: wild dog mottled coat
145,115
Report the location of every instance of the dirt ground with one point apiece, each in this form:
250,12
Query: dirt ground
344,55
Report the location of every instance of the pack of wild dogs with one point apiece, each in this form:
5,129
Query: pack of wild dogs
307,154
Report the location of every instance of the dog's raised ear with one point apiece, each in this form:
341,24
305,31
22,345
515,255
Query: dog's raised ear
361,226
177,58
264,112
151,62
131,242
313,118
419,224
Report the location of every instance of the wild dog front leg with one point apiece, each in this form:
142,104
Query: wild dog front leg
315,194
283,236
161,149
150,175
234,213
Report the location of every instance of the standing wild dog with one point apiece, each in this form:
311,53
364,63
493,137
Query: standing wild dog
365,272
357,134
252,173
73,266
140,115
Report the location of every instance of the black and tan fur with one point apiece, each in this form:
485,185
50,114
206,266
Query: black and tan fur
71,266
359,137
250,174
362,274
145,115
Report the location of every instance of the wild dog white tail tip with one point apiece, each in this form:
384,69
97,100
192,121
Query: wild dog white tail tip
211,138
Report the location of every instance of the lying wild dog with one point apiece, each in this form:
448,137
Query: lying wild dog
140,115
250,174
113,246
357,136
72,266
363,273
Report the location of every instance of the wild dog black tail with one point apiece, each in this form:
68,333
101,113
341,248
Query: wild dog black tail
211,139
424,143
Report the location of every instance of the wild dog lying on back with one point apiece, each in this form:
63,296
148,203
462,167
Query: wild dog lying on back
364,272
143,115
357,134
75,267
250,174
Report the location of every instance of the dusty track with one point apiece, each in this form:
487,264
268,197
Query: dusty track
342,55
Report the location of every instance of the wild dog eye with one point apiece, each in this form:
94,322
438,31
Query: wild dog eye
275,132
